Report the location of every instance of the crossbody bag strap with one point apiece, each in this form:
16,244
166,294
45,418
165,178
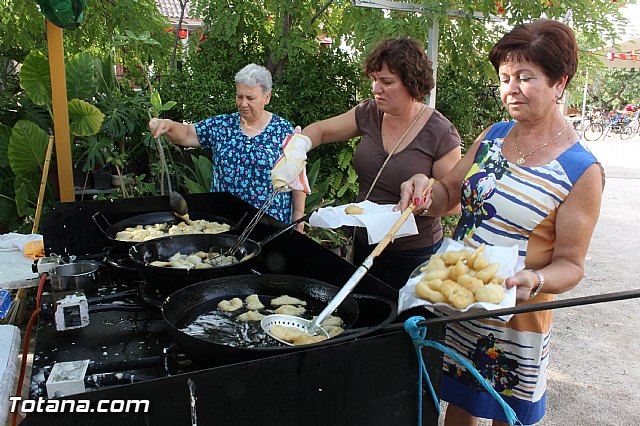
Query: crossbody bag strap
404,135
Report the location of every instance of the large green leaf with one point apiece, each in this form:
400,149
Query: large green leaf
26,196
5,137
84,119
35,78
194,187
27,149
203,169
95,151
80,75
8,211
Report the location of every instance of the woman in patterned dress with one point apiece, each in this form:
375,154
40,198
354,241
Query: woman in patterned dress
531,183
245,145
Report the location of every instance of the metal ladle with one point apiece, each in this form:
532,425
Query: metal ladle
179,206
313,327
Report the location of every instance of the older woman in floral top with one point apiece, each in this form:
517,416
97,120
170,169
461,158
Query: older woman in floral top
245,145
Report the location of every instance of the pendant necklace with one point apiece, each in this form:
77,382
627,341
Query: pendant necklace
523,157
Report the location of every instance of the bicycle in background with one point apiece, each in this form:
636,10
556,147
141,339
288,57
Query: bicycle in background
617,122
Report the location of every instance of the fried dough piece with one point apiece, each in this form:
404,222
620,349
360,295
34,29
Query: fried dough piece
295,335
425,292
433,265
230,305
490,293
353,209
449,287
253,303
487,273
287,300
461,298
457,270
470,283
250,316
296,311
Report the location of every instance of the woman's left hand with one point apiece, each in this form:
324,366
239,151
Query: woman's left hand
524,281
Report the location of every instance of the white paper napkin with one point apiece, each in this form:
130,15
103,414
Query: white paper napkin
378,219
506,256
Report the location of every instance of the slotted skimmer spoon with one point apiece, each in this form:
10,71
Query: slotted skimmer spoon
313,327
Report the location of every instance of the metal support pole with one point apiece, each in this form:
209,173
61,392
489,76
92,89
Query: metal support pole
584,102
432,53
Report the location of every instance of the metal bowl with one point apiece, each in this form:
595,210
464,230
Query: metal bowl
73,276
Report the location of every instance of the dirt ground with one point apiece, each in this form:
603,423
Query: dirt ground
595,355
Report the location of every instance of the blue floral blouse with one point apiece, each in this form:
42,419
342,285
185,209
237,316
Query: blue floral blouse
241,164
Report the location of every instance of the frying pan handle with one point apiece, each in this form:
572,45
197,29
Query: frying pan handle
239,222
285,229
99,217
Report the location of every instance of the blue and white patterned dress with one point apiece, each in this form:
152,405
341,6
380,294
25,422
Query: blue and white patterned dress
505,204
242,164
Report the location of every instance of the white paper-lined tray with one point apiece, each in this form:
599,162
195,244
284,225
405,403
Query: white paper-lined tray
377,218
506,256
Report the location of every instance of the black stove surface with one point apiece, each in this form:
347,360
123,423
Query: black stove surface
369,380
130,341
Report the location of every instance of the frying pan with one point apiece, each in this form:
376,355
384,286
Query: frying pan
164,281
167,280
110,230
183,306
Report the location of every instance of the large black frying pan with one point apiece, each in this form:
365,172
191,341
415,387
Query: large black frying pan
110,230
164,280
183,306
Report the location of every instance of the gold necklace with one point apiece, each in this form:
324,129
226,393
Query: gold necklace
523,157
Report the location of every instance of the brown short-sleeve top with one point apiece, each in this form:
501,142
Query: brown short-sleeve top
437,138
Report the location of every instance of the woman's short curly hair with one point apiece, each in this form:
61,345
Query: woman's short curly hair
255,75
406,58
549,44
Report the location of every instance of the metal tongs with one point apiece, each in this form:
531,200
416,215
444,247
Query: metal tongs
231,251
313,327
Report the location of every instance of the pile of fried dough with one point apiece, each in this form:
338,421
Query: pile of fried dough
460,278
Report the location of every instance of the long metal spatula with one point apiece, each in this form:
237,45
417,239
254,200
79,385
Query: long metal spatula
313,327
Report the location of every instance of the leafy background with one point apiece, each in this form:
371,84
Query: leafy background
109,112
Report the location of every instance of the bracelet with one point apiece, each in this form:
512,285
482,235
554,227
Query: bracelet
425,212
536,290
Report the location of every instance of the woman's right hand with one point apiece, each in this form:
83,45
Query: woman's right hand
159,126
288,169
412,190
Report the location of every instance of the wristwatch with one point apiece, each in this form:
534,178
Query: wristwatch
537,289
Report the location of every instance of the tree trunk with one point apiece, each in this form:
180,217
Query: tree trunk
183,6
277,68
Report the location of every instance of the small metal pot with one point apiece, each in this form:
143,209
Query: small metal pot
74,276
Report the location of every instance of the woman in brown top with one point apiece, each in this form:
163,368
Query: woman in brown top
401,136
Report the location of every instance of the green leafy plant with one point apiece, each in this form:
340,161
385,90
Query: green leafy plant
119,160
27,140
201,173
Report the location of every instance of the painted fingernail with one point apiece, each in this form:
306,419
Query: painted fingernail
424,199
416,201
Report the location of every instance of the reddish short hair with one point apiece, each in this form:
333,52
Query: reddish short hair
549,44
406,58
